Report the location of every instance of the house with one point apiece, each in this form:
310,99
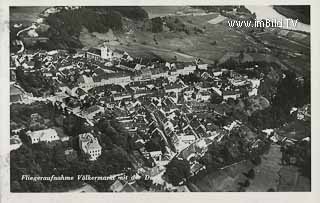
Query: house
203,96
90,145
85,81
120,54
203,66
237,82
187,139
93,53
106,53
230,95
70,154
15,142
16,94
117,186
205,75
120,186
47,135
217,73
196,167
92,111
156,155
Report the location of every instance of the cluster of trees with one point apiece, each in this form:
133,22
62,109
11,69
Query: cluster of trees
156,25
131,12
190,79
39,160
178,171
34,83
65,26
281,88
290,93
234,148
43,160
49,159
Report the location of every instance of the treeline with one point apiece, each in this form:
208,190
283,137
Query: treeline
33,82
289,93
234,148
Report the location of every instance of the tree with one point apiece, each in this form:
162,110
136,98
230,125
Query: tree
251,174
156,25
215,98
178,170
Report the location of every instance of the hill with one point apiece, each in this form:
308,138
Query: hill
66,24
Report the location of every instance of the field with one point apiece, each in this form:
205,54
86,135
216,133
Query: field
293,49
295,130
158,11
291,180
215,41
224,180
266,174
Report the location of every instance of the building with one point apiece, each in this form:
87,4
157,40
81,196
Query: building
47,135
92,111
93,53
90,145
106,53
15,142
117,186
85,82
231,95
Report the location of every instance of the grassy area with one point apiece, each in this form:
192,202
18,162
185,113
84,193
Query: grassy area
225,180
266,174
194,44
291,180
158,11
296,130
214,42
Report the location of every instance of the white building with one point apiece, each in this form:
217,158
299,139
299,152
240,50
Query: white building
47,135
90,145
231,95
106,53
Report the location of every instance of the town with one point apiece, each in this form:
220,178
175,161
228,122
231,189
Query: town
165,121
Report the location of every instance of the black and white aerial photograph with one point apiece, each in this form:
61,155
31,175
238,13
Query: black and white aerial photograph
118,99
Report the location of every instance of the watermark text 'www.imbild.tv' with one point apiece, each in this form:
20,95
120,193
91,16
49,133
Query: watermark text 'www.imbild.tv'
265,23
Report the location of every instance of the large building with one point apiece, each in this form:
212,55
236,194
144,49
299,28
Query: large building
90,145
46,135
103,52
